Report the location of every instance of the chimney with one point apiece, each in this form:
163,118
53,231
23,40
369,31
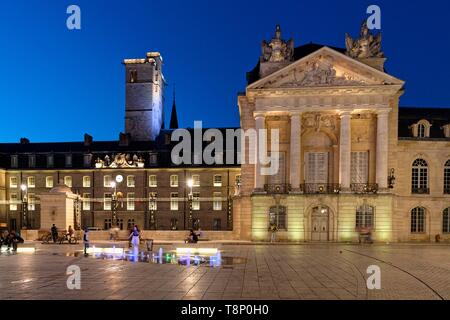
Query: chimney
87,140
24,141
124,139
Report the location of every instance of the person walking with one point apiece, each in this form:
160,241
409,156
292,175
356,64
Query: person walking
54,232
86,241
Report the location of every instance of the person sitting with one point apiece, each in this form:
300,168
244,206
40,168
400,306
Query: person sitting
69,233
192,237
13,239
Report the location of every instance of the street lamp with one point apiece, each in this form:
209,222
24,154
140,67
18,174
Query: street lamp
118,180
152,211
190,184
24,188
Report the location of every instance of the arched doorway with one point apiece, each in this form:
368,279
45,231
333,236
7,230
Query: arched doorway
320,223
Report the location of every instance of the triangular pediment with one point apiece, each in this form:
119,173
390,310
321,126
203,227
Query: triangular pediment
325,68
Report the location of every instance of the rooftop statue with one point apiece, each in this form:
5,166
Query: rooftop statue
277,50
367,46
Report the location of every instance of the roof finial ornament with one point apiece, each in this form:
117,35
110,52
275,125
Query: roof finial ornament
277,50
367,46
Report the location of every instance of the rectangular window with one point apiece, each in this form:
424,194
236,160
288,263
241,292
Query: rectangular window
153,201
217,224
68,160
217,180
196,180
174,180
152,182
316,167
86,182
130,201
14,161
107,199
217,201
49,182
13,201
174,201
31,161
68,181
13,182
131,183
360,167
279,178
107,181
50,161
86,201
196,201
87,160
31,201
31,182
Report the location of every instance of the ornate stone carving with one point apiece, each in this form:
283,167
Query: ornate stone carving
319,73
277,50
367,46
318,121
121,160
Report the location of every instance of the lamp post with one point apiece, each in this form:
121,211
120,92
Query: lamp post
114,203
24,206
152,211
190,183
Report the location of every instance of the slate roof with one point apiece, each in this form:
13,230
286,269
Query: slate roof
437,117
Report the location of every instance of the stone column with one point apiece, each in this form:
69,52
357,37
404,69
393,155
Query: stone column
259,125
295,151
345,149
382,148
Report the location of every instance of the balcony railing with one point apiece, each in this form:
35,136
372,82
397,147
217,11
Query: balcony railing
321,188
420,190
364,188
277,188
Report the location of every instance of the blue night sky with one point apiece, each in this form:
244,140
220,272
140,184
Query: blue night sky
58,84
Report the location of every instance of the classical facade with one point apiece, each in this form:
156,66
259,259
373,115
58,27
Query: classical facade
349,158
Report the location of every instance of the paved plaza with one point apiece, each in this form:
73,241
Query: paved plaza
257,271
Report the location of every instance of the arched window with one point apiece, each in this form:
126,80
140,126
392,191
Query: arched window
364,216
447,177
277,216
419,183
418,220
446,221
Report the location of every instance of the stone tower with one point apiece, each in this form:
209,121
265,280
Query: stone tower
144,97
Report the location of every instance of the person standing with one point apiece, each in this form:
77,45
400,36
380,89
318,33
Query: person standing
86,241
54,232
134,236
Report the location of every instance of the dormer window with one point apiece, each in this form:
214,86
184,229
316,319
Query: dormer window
68,160
446,129
421,129
31,161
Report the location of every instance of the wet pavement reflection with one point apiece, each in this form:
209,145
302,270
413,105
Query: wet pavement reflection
161,257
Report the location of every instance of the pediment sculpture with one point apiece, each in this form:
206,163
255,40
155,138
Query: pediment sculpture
318,73
277,50
367,46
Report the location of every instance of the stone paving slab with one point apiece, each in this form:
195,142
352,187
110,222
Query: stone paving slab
271,272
